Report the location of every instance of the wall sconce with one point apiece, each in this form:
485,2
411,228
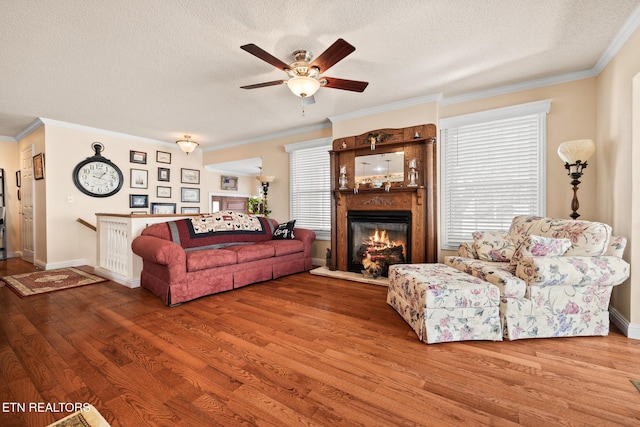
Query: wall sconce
186,144
575,155
265,180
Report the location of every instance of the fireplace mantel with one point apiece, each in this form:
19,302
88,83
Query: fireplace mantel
417,142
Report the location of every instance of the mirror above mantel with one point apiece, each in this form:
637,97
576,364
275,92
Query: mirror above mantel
375,169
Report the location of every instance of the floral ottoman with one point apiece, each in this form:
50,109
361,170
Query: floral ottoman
444,304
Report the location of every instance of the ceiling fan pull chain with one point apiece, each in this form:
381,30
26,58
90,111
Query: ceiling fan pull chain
302,101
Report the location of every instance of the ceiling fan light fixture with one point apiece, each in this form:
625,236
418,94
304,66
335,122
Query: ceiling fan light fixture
303,86
186,144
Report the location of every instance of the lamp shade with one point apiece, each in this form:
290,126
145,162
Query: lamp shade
265,178
578,150
186,144
303,86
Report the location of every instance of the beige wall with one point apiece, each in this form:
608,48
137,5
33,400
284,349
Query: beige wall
60,239
572,116
275,161
618,134
9,162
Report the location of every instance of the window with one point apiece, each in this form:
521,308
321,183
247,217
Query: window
310,190
493,168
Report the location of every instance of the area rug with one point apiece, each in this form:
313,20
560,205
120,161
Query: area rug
42,282
83,418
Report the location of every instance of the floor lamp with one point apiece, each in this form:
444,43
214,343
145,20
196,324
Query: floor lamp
575,155
265,180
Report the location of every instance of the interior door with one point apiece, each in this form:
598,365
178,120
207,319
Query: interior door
27,205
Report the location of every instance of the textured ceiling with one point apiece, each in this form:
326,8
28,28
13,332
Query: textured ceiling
160,69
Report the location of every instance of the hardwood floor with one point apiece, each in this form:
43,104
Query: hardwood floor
301,350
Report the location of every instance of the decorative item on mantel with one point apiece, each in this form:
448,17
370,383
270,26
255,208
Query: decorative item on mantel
413,174
186,144
575,155
387,183
343,177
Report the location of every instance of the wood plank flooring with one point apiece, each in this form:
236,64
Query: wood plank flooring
298,351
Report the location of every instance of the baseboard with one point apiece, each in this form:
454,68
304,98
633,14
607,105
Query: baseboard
318,261
64,264
118,278
630,330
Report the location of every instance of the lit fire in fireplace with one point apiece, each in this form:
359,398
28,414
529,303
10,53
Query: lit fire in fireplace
378,251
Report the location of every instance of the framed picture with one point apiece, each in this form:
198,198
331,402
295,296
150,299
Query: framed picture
18,179
190,176
138,201
190,210
163,157
139,178
164,174
38,166
163,192
138,157
163,208
229,183
190,195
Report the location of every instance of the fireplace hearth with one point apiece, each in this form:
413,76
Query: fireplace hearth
378,239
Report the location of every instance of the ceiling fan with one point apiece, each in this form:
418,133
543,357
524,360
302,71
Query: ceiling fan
304,75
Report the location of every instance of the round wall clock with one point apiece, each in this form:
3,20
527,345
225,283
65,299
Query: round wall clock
97,176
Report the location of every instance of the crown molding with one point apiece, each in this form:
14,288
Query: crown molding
84,128
7,139
518,87
32,127
628,28
386,107
275,135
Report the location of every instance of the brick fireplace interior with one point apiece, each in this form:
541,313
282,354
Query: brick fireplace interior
384,214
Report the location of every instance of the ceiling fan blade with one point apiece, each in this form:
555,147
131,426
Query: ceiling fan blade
352,85
265,84
265,56
334,53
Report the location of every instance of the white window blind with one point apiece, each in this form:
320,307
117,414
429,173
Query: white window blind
311,186
492,170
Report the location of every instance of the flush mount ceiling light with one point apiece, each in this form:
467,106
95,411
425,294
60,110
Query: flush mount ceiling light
186,144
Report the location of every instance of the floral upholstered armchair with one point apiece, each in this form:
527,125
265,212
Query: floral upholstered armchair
555,275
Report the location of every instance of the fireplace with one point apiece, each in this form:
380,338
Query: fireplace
378,239
398,202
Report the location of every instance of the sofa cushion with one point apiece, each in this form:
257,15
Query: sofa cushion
284,231
587,238
284,247
210,258
540,246
497,273
616,246
251,252
494,246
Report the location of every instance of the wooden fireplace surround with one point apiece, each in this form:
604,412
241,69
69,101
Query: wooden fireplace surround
417,142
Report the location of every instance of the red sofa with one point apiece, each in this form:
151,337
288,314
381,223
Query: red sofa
190,258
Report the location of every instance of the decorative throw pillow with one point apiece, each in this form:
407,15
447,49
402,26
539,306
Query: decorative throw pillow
540,246
493,245
284,231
